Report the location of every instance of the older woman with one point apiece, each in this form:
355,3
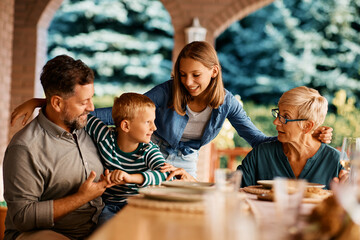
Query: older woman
295,153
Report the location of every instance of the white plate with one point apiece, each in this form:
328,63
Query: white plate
172,194
270,183
203,186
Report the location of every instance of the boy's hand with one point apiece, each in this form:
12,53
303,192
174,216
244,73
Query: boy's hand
120,177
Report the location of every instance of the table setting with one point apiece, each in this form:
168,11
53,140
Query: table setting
186,196
274,209
313,192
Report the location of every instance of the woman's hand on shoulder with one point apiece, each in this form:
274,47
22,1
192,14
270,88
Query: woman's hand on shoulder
26,109
323,134
179,173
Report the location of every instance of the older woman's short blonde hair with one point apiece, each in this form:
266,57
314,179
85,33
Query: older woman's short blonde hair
128,105
310,104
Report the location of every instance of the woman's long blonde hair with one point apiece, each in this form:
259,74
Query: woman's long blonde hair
204,53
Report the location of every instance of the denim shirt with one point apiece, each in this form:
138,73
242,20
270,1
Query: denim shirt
170,125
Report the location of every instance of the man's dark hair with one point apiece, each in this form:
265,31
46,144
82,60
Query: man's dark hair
61,74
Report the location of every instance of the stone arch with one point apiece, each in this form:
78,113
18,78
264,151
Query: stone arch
236,11
32,19
215,16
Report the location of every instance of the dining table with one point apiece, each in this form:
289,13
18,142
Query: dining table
149,219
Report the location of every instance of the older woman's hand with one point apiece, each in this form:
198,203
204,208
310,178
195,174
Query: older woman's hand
324,134
343,177
179,173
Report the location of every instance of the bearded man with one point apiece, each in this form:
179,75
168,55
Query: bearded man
52,171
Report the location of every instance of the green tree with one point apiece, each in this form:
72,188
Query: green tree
121,40
291,43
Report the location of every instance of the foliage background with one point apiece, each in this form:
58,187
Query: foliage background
292,43
127,41
128,44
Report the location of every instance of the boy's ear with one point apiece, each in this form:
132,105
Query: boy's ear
57,103
215,71
125,125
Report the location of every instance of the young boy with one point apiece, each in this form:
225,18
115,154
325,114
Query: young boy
134,161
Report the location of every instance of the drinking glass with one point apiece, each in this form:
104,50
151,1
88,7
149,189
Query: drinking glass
348,196
288,197
350,152
225,212
227,180
348,193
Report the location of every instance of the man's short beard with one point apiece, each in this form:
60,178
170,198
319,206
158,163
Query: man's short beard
74,124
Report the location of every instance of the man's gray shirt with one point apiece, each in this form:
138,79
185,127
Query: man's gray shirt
43,162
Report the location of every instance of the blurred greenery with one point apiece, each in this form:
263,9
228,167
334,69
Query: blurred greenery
346,119
121,40
105,93
291,43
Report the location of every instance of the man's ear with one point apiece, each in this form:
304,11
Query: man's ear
125,125
57,103
215,71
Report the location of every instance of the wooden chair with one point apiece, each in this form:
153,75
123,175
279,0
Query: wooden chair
231,154
3,211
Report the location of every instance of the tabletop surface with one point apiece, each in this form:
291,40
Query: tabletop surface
148,222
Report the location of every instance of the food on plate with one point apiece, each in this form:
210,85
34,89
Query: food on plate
318,193
311,194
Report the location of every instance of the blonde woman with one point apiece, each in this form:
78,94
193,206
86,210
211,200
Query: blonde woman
296,153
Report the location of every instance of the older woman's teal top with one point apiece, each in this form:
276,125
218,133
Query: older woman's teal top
268,161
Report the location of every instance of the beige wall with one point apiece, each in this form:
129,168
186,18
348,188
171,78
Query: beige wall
32,18
6,38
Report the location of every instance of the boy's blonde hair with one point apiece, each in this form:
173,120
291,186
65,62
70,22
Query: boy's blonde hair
310,104
204,53
128,105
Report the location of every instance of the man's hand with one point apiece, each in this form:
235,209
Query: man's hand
107,178
90,189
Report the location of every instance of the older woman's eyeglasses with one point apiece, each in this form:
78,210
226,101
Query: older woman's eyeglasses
282,119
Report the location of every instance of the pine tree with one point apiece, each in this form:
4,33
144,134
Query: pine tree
121,40
291,43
